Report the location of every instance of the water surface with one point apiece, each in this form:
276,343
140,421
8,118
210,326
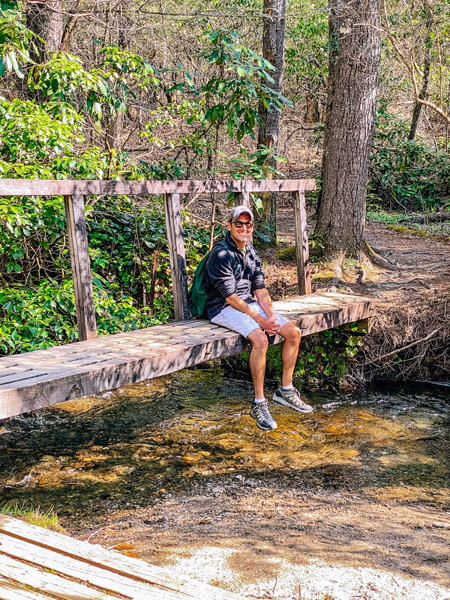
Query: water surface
139,443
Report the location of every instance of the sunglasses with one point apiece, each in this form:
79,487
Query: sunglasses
240,224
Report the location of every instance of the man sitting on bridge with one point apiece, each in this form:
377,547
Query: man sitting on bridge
238,299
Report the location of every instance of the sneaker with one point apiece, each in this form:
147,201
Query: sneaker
292,399
260,412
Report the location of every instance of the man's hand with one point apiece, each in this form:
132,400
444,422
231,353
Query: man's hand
269,324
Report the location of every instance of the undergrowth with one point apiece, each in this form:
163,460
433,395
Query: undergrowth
402,223
35,515
323,359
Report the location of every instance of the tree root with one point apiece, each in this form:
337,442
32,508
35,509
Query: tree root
377,259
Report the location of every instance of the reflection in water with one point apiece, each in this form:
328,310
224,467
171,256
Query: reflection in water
127,447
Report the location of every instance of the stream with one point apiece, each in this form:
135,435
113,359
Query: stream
125,449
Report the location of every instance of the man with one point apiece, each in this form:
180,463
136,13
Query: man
238,299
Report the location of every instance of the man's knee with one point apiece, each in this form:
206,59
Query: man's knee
259,340
291,332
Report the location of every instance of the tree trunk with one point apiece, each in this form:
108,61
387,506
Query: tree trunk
312,111
70,26
354,69
115,125
45,19
334,23
426,74
274,25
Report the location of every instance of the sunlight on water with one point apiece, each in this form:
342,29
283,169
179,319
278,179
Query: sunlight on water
139,442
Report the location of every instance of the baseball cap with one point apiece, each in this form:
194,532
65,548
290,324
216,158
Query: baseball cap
237,211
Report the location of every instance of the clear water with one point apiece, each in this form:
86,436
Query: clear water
125,448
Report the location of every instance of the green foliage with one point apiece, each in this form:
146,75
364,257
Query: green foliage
256,165
376,213
38,312
406,173
323,359
286,254
226,104
64,79
48,135
41,316
123,239
15,40
306,56
33,133
234,95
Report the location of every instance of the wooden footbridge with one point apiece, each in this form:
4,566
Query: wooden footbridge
96,364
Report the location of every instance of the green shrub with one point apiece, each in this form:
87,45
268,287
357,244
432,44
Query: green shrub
33,318
322,361
406,173
286,254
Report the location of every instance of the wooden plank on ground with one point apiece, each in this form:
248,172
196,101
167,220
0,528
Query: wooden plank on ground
46,377
13,590
48,582
35,187
71,567
112,563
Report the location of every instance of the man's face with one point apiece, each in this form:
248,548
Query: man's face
241,229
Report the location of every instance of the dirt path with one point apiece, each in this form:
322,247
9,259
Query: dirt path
312,534
423,265
413,300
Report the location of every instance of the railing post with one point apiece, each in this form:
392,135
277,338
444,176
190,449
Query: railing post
301,243
177,256
81,266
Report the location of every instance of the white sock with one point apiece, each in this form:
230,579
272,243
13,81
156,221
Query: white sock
259,400
287,387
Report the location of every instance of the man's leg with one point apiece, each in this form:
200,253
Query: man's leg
260,409
292,336
258,360
287,394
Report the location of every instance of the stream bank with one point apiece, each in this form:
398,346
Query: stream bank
410,337
348,502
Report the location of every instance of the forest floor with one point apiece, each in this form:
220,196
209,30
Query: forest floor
312,535
412,299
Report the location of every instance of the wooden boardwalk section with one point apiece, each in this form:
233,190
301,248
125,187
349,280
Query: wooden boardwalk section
38,564
44,377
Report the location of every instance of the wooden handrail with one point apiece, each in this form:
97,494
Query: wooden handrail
75,190
52,187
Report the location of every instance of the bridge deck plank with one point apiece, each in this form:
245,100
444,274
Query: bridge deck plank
44,377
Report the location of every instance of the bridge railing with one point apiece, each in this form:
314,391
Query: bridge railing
74,192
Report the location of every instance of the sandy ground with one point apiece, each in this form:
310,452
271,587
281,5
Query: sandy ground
272,539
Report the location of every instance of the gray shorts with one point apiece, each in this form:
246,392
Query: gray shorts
238,321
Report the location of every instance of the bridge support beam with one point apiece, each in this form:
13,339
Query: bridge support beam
81,266
177,256
301,243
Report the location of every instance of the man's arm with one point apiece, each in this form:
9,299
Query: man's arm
264,300
268,323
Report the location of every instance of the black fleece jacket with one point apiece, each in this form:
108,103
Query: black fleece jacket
229,272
